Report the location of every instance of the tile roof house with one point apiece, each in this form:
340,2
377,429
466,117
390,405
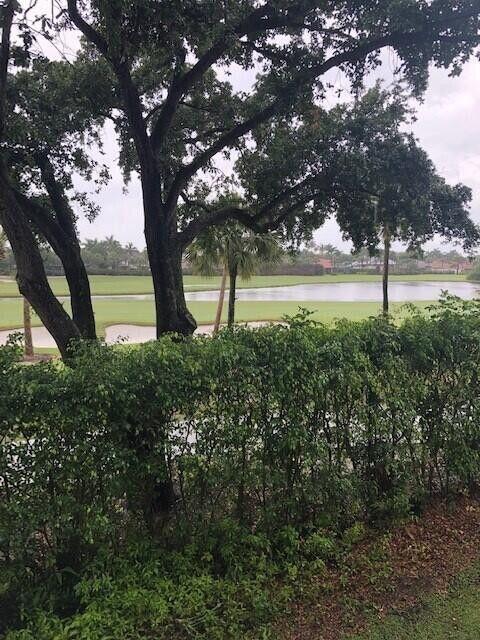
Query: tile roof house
449,266
326,263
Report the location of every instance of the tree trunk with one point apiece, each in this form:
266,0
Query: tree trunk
386,265
80,294
231,296
221,297
62,237
31,278
165,258
163,248
27,329
68,251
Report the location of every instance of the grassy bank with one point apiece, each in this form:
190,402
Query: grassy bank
141,312
451,616
422,582
118,285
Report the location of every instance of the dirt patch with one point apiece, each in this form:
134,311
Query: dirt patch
389,575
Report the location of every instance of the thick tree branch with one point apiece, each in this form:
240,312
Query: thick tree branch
287,193
31,278
178,88
352,56
8,13
263,19
65,244
88,31
134,112
187,171
39,215
131,97
250,218
63,211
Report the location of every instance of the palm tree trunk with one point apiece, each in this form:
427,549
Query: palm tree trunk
231,296
386,264
27,328
221,297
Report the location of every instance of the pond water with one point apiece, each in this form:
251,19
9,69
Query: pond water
328,292
350,292
334,292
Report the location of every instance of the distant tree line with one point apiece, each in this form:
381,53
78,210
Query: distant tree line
106,256
109,256
402,262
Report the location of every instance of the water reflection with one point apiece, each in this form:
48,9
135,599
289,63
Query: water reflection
335,292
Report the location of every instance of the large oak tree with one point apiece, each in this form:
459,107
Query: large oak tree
51,114
171,63
396,192
56,111
167,68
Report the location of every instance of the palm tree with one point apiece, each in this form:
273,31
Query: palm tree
238,252
27,329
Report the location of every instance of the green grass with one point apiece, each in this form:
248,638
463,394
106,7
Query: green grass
118,285
141,312
455,616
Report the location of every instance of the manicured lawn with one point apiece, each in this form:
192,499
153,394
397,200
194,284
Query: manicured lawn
118,285
455,616
142,311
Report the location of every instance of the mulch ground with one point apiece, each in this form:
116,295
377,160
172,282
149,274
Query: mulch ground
393,575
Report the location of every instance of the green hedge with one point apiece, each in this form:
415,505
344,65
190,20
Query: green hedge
227,453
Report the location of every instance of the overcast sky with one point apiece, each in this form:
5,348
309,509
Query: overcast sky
448,128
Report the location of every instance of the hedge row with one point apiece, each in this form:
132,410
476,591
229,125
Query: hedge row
286,428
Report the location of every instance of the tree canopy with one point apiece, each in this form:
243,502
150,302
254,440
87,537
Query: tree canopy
189,84
394,184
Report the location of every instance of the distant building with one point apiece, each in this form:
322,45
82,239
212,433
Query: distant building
465,266
449,266
421,265
326,263
371,264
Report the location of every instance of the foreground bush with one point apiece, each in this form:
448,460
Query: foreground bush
230,458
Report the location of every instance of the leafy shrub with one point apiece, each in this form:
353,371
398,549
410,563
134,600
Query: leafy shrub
318,546
354,534
235,457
